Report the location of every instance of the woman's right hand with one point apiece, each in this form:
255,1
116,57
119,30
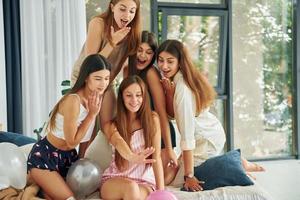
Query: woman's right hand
94,103
119,35
168,85
141,157
193,184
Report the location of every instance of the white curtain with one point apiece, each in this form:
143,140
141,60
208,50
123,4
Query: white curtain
3,108
52,34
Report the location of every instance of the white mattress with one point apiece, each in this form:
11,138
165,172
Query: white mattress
254,192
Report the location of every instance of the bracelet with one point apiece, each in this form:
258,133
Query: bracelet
188,176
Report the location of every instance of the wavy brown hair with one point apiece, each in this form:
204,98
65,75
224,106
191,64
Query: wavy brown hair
133,37
92,63
150,39
144,114
196,81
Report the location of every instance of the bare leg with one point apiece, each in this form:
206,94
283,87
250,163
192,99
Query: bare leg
52,184
251,167
122,188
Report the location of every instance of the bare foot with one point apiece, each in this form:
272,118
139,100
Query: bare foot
251,175
252,167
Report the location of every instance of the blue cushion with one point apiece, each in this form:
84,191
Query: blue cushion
224,170
16,138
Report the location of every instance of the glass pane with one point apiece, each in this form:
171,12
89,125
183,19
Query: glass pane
201,35
194,1
262,77
218,110
95,7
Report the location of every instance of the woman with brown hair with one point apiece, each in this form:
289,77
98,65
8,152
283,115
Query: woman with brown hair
142,64
115,34
71,123
139,127
188,97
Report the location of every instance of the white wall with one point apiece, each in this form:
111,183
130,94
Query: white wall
3,108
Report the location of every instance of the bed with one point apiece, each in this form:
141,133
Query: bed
253,192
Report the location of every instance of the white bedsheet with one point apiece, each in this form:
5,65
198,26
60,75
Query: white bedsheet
254,192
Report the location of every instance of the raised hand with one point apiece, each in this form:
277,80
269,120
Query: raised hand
141,157
119,35
94,103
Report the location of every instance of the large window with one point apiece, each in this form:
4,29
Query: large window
204,34
258,112
262,77
194,1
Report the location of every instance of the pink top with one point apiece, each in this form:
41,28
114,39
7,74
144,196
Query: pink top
137,172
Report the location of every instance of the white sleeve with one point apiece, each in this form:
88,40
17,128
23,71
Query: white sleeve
184,115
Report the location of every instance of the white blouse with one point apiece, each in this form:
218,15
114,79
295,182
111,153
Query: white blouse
192,127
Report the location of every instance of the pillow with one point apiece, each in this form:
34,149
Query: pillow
224,170
100,151
16,138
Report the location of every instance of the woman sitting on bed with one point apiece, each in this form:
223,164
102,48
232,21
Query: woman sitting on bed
139,127
189,96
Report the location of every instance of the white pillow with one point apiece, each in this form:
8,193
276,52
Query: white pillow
100,151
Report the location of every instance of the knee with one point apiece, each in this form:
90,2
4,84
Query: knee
132,191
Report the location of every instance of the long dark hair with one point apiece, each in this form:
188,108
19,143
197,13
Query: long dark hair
150,39
198,83
144,114
92,63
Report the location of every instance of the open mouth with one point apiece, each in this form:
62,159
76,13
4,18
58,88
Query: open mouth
165,73
141,62
124,22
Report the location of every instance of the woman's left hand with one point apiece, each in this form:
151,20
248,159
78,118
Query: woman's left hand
171,156
142,156
193,184
94,103
168,85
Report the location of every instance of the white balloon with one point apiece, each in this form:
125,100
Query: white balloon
84,177
13,165
4,182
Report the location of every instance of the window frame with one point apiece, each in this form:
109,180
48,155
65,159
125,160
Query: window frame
225,93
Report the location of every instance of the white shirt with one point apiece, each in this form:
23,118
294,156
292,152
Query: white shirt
192,127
